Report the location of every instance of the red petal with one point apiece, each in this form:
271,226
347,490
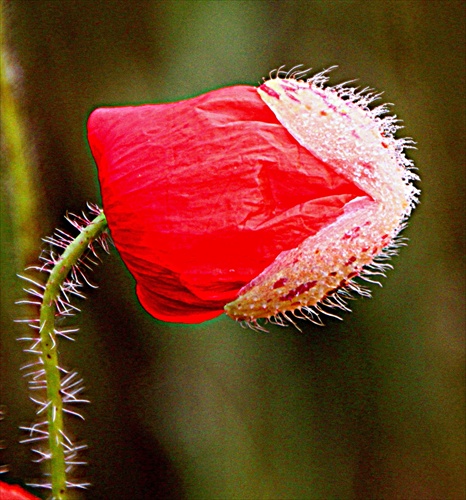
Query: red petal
14,492
201,195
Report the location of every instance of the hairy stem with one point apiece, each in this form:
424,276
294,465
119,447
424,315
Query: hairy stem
48,310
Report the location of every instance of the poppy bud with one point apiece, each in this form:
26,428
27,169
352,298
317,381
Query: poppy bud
256,201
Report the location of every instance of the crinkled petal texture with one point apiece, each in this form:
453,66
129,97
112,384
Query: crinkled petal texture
202,195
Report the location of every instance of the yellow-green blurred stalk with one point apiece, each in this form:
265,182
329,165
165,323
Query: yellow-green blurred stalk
17,171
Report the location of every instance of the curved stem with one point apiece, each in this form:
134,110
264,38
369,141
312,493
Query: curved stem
49,350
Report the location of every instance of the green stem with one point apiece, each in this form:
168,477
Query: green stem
19,166
49,350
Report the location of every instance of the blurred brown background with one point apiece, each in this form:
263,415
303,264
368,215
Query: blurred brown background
371,407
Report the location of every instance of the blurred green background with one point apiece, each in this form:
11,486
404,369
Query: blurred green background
371,407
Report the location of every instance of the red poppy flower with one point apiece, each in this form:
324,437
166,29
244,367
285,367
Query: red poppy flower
228,194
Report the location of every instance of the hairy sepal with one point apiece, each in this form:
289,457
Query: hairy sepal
337,126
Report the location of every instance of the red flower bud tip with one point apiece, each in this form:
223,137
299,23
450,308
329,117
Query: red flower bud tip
268,200
14,492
